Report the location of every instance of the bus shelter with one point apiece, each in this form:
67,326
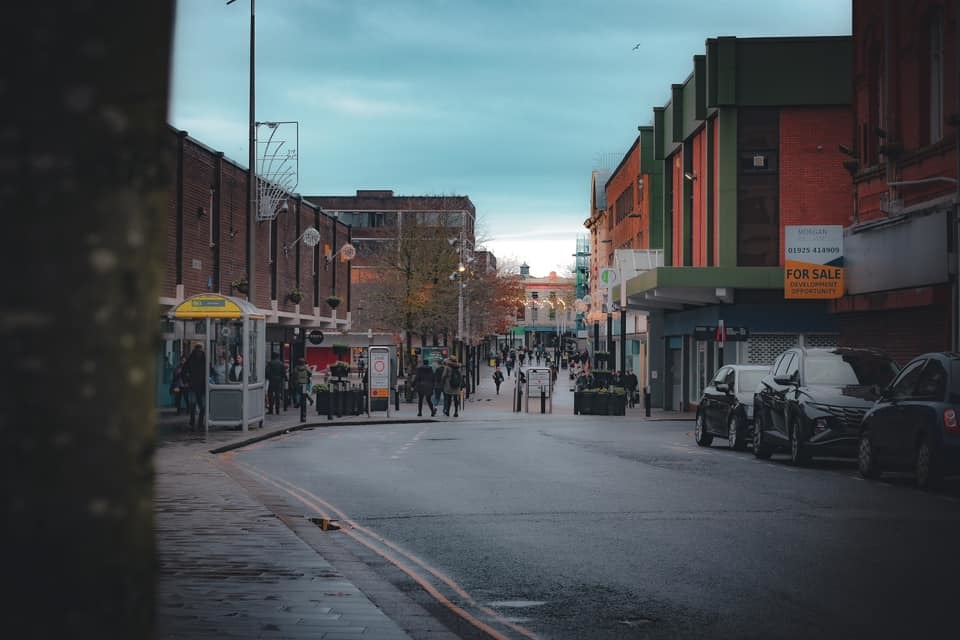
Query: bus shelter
233,356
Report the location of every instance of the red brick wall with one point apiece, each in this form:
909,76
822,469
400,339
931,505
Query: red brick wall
907,116
716,190
626,175
677,177
814,186
902,333
199,165
699,143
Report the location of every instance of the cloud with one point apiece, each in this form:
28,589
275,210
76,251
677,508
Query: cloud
355,104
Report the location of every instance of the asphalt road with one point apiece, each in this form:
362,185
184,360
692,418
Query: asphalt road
562,526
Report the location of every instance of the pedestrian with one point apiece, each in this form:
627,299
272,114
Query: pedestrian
196,368
274,376
437,384
218,371
509,365
616,380
301,377
498,378
523,356
235,372
423,383
179,389
452,379
630,382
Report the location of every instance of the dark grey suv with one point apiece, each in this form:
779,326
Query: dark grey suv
814,400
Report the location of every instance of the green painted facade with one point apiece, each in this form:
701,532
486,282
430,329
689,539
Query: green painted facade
737,72
654,185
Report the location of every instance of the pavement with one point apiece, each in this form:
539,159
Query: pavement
229,567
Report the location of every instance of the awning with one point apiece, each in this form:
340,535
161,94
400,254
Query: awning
678,288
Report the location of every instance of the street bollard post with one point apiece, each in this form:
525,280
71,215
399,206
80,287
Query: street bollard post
646,401
543,400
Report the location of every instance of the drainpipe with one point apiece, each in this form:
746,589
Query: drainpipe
956,198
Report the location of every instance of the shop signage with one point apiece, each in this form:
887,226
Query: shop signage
813,262
315,336
730,334
609,277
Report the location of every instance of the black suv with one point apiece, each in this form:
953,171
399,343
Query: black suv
815,399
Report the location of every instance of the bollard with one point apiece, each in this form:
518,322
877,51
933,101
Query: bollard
303,405
543,400
646,401
330,405
396,398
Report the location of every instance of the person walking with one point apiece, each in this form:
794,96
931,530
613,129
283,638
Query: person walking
452,379
498,378
274,376
509,365
179,388
301,377
631,382
423,383
196,369
437,384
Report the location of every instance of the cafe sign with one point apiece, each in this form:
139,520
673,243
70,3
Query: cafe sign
813,262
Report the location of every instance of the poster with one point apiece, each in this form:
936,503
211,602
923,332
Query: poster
813,262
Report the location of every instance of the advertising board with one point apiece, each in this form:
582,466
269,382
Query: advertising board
813,262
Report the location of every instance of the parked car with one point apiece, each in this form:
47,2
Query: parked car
726,406
914,424
814,400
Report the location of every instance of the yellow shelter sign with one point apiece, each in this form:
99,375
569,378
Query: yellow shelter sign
813,262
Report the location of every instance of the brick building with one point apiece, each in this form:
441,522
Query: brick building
745,145
206,252
901,243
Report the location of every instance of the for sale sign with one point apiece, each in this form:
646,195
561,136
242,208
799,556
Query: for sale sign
813,262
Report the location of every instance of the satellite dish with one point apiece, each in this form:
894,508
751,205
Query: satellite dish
311,237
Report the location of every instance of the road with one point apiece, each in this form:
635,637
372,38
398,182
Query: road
564,526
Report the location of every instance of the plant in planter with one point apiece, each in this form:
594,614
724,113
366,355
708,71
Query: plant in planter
334,301
242,286
340,349
339,369
296,295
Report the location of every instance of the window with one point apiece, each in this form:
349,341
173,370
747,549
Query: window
785,361
730,379
841,369
793,369
903,386
758,188
721,376
750,380
932,383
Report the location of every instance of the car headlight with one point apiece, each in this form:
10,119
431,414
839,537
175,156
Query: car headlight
820,425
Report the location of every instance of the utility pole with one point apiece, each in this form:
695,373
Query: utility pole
252,174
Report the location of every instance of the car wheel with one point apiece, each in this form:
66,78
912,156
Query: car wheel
798,454
735,434
867,459
761,449
700,434
928,468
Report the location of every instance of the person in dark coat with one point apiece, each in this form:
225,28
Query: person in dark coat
196,369
274,375
179,388
423,383
498,378
630,383
451,388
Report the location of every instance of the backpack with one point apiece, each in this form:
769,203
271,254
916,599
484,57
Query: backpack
455,379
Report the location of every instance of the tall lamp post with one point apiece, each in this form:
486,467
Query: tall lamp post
252,179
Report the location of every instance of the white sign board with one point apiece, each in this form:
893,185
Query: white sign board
813,262
609,277
537,378
379,372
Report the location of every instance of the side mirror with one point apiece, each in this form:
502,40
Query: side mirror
784,381
723,387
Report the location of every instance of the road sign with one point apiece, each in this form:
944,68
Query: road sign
730,334
609,277
379,387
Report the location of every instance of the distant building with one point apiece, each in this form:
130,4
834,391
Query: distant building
546,311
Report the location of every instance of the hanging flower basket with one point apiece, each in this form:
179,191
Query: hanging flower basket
296,296
242,286
334,301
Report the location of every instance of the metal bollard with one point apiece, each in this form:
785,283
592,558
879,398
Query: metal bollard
646,401
396,398
543,400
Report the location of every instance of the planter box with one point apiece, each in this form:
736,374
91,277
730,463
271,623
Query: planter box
599,404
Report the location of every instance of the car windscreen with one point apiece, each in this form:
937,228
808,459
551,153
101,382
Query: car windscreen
836,369
750,380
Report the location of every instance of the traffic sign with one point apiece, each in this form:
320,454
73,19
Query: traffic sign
609,277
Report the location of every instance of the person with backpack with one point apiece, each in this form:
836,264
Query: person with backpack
452,378
497,378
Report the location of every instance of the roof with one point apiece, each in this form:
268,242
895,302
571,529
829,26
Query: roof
600,177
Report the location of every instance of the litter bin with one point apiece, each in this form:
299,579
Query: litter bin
493,362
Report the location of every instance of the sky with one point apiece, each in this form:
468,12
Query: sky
510,102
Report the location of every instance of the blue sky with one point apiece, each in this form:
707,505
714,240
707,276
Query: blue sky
511,102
